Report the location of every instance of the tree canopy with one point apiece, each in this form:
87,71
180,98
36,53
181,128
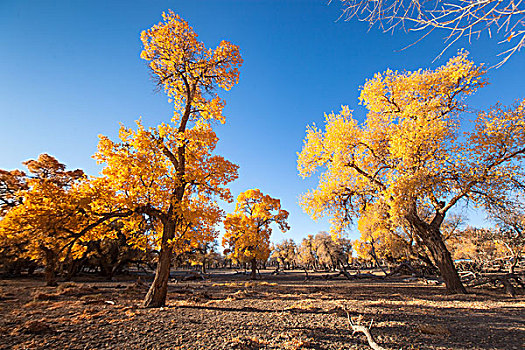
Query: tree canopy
168,173
60,211
248,230
409,158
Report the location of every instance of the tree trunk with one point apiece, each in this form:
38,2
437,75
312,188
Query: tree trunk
156,296
442,258
73,269
32,267
50,268
374,256
203,267
105,268
254,269
513,264
430,234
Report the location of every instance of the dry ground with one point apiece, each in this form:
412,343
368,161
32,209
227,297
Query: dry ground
276,312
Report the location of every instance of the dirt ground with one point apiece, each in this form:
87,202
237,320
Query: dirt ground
276,312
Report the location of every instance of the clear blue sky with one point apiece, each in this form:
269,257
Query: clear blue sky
70,70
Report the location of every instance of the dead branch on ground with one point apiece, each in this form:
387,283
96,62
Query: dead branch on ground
358,328
506,280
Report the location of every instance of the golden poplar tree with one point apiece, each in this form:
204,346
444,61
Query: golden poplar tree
248,230
284,253
306,255
411,157
60,211
168,172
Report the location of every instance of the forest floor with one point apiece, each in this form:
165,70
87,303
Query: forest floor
284,311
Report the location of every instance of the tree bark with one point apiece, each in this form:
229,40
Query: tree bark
442,258
50,268
430,235
158,290
73,269
254,269
374,256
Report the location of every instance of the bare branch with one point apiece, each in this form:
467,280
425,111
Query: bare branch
460,18
357,328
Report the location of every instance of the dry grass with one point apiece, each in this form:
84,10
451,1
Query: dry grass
272,314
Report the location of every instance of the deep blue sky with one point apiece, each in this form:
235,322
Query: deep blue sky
70,70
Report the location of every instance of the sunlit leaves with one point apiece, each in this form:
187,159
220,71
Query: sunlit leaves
58,214
144,170
12,182
284,252
409,155
187,70
248,228
168,174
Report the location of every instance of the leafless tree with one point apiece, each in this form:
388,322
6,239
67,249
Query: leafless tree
502,19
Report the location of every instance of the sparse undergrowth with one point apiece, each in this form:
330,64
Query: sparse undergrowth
278,312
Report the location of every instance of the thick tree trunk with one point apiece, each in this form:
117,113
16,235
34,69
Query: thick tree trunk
50,276
156,296
14,268
105,269
254,269
430,235
442,258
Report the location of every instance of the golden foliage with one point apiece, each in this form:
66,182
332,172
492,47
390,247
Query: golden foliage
148,182
11,183
284,252
61,211
187,70
168,173
380,238
324,250
409,154
248,229
409,157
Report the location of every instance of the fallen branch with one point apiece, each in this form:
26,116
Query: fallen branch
357,328
416,271
192,276
505,280
356,276
467,275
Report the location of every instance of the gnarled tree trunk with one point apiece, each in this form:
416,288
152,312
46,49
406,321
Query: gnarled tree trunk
431,236
443,260
156,296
